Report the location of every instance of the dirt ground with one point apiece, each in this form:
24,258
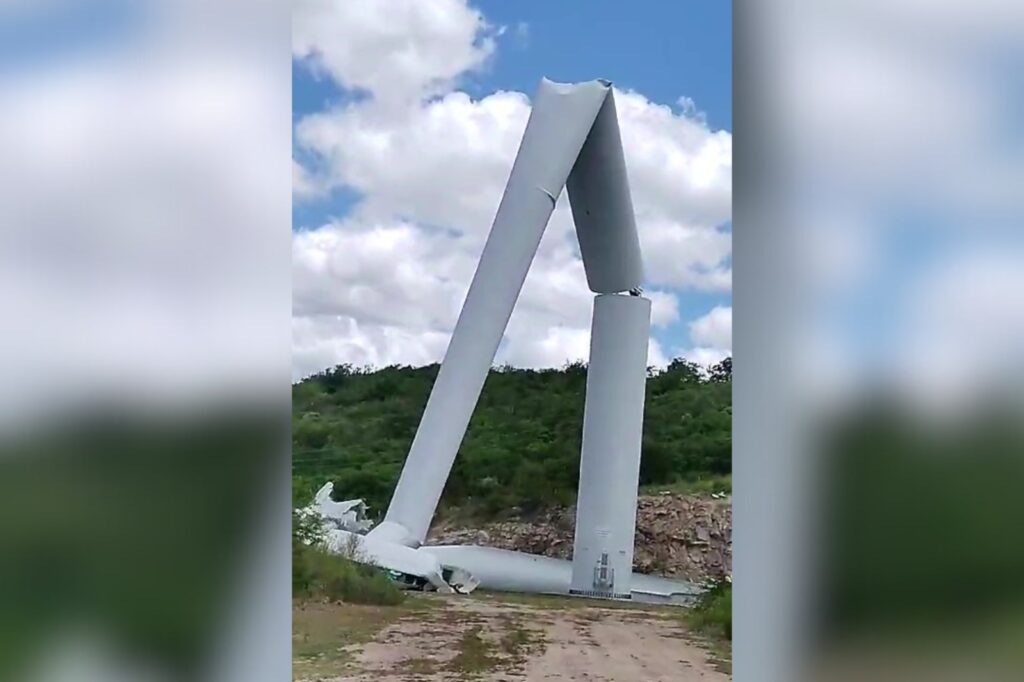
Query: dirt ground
489,638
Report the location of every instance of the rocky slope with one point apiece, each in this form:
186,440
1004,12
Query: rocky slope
684,536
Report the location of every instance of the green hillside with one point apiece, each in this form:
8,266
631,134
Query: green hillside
354,427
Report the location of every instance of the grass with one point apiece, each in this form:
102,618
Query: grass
713,612
704,485
569,603
319,574
518,644
516,640
920,648
419,666
712,618
325,635
475,655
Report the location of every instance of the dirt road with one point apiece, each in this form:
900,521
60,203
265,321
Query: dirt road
483,637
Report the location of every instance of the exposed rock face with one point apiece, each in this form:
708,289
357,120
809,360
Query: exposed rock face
682,536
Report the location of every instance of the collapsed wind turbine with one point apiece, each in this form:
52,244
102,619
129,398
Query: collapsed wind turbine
571,140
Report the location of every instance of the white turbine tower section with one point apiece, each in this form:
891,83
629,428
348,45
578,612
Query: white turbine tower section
602,208
613,422
572,135
572,140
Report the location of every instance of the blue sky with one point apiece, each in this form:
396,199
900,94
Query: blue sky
664,51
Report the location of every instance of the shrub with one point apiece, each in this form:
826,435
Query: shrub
713,612
317,573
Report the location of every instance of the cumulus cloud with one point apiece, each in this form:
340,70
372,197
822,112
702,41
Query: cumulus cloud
430,163
304,185
384,293
394,161
963,330
325,341
142,205
713,329
710,337
678,167
939,135
911,148
395,50
706,357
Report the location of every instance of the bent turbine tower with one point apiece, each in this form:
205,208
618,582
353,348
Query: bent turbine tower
571,141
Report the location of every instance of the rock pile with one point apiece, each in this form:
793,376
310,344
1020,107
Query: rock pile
683,536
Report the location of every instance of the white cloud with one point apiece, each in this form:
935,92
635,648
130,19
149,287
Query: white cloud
322,342
443,162
713,329
557,345
920,112
396,50
914,134
383,293
706,357
680,173
664,308
710,337
962,330
681,255
553,347
522,33
430,171
304,185
142,208
391,275
678,167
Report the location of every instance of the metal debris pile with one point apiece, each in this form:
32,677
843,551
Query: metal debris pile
348,515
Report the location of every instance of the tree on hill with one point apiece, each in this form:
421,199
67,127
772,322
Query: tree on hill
521,451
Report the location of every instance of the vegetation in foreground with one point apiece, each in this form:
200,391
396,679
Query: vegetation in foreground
318,574
699,485
713,613
712,618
